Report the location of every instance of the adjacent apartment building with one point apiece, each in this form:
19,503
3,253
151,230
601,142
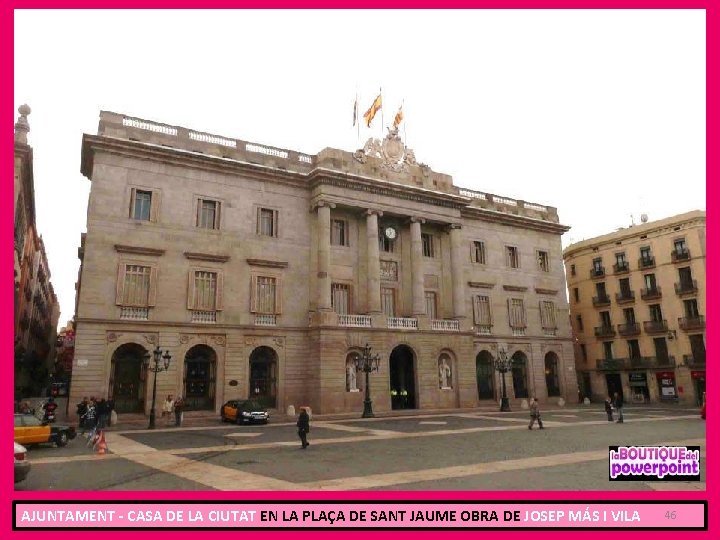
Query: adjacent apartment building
264,272
637,302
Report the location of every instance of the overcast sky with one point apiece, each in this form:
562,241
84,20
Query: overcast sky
598,113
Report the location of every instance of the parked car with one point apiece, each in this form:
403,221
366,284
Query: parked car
244,411
22,465
31,430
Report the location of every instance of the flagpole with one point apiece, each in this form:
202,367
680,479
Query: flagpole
382,115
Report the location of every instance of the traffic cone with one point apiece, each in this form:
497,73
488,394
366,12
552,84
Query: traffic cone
101,445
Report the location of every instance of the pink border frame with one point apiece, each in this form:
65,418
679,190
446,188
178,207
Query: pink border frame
7,494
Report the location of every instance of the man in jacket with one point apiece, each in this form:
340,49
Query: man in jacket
618,404
535,414
303,425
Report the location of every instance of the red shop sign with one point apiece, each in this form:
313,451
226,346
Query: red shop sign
665,375
697,374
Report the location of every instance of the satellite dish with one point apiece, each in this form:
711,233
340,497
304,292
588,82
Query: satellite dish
644,218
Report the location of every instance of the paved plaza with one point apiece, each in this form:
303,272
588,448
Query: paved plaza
470,450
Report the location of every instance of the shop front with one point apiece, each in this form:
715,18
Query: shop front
639,387
667,386
698,378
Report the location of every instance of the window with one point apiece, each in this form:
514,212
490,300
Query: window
431,304
265,299
547,315
680,246
478,252
387,299
583,351
645,255
140,204
579,323
634,348
650,283
691,309
597,266
481,311
572,269
697,347
686,280
629,315
516,313
208,214
267,222
576,292
601,291
607,350
512,258
136,285
625,291
386,244
341,298
620,259
204,291
428,245
339,233
605,319
656,313
661,350
543,261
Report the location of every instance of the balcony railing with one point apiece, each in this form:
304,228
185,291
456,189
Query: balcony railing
265,319
355,321
134,313
485,329
646,262
597,272
612,364
655,327
692,323
205,317
629,329
678,255
604,331
624,297
445,325
694,362
621,268
601,301
650,294
402,323
549,331
638,362
686,287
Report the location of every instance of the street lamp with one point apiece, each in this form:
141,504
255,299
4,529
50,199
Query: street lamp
156,368
503,365
367,362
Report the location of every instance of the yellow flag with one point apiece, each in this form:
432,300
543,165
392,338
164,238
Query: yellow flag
372,111
398,118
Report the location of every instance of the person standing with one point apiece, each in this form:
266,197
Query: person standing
178,407
535,414
608,409
167,409
303,425
618,404
102,414
80,410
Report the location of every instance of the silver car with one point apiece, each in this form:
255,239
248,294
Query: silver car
22,465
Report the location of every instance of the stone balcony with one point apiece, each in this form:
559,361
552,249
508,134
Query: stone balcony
355,321
402,323
265,319
134,313
445,325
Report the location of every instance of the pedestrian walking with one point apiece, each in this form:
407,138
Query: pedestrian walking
90,421
608,409
535,414
80,409
167,409
618,404
303,425
102,414
178,407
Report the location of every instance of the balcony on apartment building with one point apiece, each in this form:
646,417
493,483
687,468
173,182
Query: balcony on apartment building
610,364
600,301
605,331
629,329
692,361
638,362
655,327
692,323
680,255
597,272
621,268
625,297
687,286
651,294
646,262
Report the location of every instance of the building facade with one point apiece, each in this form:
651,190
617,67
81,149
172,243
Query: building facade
264,272
637,301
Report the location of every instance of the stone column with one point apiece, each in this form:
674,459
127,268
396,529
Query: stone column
323,300
373,262
418,277
458,276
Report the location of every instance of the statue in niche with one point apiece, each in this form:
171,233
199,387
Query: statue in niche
445,373
351,376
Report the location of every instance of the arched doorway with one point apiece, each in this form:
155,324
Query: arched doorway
519,375
263,376
402,378
485,374
199,378
552,375
127,378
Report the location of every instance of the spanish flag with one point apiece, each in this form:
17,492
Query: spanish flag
398,118
372,111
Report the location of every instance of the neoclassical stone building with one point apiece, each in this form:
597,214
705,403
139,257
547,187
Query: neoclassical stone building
265,271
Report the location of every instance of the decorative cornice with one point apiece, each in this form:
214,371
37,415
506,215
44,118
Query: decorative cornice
267,264
473,212
206,257
538,290
480,285
138,250
514,288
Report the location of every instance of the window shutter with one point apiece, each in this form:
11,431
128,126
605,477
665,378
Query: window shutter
253,294
258,227
476,309
219,292
152,294
278,296
198,213
154,206
191,290
132,202
509,312
120,284
276,219
217,216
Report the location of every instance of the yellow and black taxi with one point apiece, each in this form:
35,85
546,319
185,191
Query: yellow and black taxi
244,412
30,430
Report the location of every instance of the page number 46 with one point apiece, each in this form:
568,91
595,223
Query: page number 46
670,514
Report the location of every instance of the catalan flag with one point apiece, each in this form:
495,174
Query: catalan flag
372,111
398,118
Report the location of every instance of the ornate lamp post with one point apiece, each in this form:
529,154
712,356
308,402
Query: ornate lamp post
156,368
503,365
367,362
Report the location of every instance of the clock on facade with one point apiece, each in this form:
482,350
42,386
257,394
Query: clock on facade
390,233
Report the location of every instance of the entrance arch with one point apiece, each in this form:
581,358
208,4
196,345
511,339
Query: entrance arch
127,378
402,378
263,376
520,375
552,375
199,378
485,375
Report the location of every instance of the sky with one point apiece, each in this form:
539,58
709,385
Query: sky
599,113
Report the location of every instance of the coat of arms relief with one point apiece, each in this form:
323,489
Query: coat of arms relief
391,150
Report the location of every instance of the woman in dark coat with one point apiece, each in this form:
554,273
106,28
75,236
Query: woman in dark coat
608,409
303,425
